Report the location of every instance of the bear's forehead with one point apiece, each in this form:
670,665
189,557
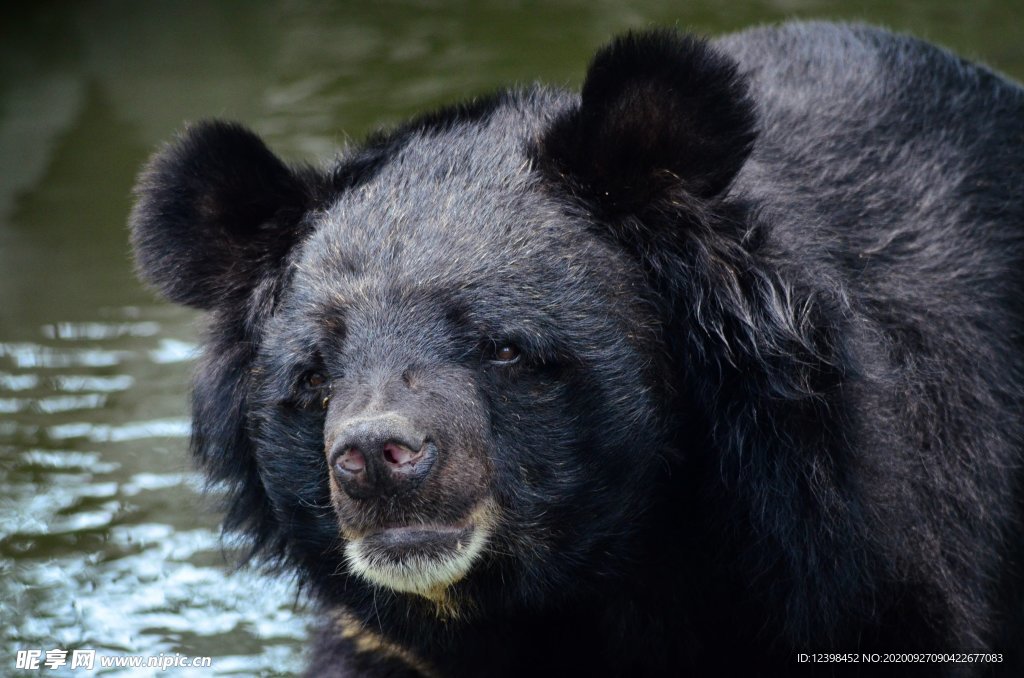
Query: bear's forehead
448,229
481,244
461,208
458,217
444,193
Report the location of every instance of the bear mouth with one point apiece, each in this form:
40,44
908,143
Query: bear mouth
420,559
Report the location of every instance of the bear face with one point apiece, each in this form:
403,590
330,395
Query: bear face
443,350
593,383
439,389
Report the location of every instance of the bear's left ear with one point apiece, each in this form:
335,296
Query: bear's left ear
658,110
216,213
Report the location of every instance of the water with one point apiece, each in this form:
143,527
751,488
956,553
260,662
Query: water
105,540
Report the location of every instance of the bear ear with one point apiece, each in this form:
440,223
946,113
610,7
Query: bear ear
216,211
658,110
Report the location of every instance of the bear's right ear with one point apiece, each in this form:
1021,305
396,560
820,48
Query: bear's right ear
216,212
659,111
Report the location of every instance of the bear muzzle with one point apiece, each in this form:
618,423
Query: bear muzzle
421,559
379,457
412,521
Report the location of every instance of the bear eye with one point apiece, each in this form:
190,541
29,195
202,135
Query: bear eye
313,387
314,379
505,353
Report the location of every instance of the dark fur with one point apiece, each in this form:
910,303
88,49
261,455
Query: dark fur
769,293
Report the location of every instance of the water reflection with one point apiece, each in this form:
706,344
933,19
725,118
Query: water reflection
102,542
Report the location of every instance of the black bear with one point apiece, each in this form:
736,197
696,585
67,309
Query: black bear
714,368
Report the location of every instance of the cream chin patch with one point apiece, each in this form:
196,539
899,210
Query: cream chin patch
425,576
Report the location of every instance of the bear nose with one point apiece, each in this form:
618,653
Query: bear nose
383,455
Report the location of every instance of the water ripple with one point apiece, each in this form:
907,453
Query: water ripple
105,433
96,331
18,382
173,351
26,356
74,383
67,460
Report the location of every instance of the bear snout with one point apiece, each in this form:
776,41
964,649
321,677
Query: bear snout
380,456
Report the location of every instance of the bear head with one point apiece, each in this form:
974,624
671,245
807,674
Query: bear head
444,366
